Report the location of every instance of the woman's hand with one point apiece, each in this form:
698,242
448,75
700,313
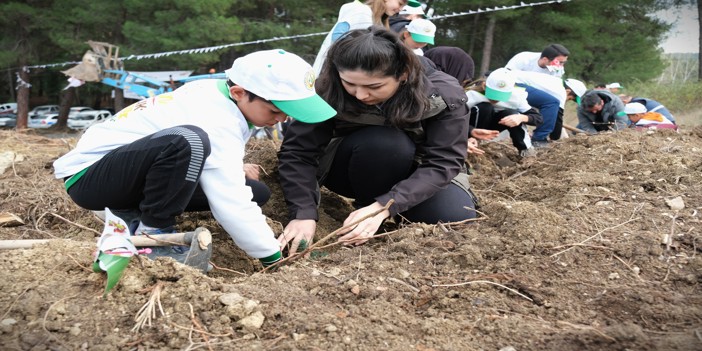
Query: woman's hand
364,230
484,134
251,171
473,147
300,232
514,120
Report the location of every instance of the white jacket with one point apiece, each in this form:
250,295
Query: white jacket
198,103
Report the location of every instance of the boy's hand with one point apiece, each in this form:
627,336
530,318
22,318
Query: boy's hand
251,171
514,120
300,232
473,147
484,134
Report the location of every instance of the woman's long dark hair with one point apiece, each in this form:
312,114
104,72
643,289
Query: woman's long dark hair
375,50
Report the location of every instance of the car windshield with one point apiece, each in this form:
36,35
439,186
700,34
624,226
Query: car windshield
84,117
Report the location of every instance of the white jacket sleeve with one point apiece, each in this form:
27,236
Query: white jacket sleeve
231,204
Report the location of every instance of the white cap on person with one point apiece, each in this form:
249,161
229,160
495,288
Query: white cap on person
499,85
633,108
409,10
576,86
422,30
284,79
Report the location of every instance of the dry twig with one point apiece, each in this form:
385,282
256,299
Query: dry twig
395,280
297,255
572,246
587,327
76,224
227,269
15,301
200,329
485,282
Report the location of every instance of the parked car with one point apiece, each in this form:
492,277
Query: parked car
87,118
44,121
43,110
75,110
8,120
9,107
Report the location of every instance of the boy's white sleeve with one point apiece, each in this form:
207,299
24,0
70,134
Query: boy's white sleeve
231,204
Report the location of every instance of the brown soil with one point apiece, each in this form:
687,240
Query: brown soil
571,254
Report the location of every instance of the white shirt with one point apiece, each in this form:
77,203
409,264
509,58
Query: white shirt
529,61
544,82
198,103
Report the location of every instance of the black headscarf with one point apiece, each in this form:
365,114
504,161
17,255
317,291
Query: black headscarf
453,61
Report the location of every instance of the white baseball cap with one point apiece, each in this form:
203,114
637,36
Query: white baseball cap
284,79
409,10
422,30
634,108
576,86
614,85
499,85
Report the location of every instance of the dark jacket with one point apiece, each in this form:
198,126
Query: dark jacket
612,116
441,139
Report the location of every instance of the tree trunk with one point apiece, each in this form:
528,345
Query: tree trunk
65,106
119,100
22,96
471,43
487,48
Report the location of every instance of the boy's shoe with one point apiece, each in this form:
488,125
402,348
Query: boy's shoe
540,143
528,153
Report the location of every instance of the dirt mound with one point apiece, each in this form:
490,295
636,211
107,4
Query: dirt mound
583,249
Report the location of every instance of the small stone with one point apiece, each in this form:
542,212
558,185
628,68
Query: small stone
249,337
508,348
351,282
330,328
335,271
614,275
403,273
676,203
603,203
75,331
254,321
230,299
316,273
8,321
356,290
347,340
636,270
298,337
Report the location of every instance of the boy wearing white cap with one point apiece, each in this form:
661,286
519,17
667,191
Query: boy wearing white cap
497,104
641,118
183,150
417,34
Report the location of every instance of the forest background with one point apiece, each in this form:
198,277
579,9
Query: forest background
609,40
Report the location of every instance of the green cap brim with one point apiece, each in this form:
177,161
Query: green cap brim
497,95
413,3
422,38
309,110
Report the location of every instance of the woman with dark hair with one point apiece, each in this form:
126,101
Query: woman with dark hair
400,134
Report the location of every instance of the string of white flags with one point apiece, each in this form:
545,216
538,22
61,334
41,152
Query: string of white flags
261,41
